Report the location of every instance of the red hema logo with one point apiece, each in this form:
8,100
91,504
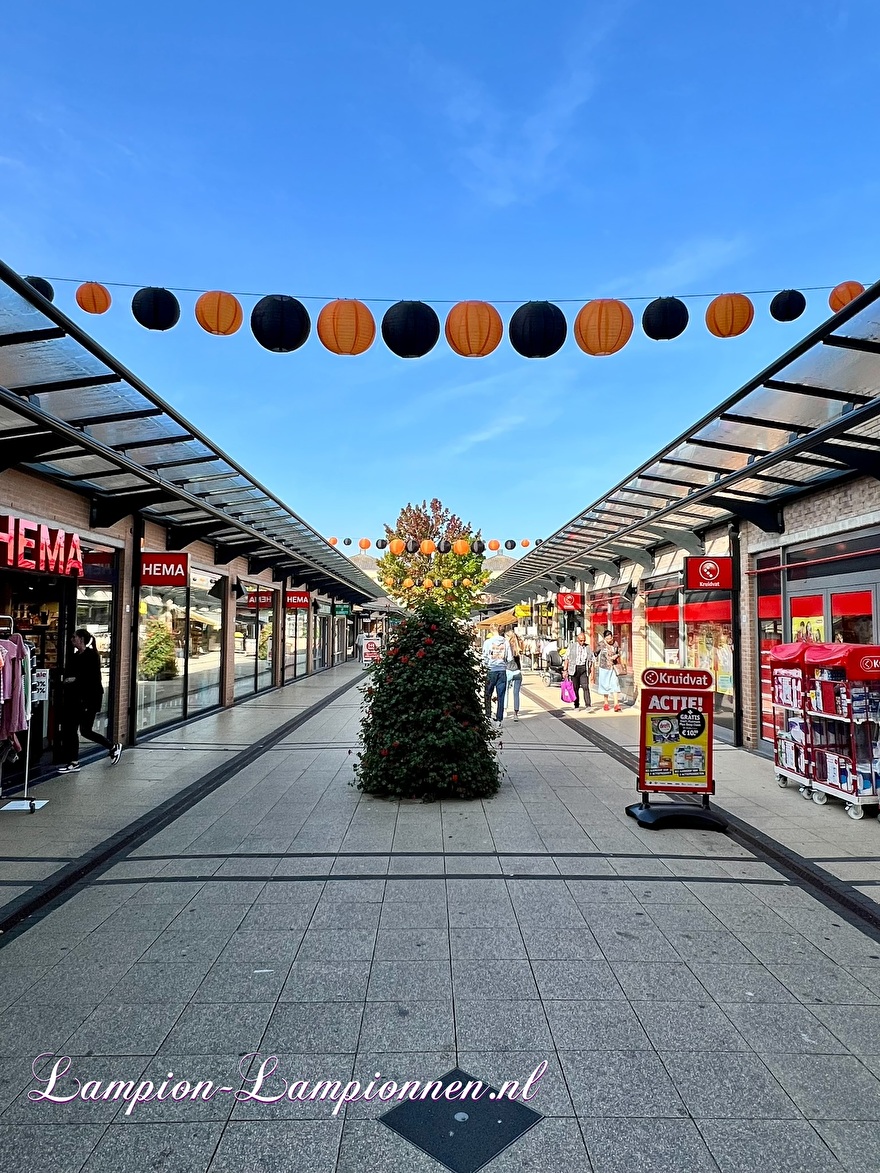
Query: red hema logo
165,569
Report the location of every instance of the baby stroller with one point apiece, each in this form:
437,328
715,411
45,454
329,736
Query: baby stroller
553,673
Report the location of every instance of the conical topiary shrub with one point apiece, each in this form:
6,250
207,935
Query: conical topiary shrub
425,734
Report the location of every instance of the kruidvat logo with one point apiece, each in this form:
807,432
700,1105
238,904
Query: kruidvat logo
262,1086
870,663
650,677
709,570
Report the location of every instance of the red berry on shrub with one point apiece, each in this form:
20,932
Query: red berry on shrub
395,744
420,655
455,777
384,753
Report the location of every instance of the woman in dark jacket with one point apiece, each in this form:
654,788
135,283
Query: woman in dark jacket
84,693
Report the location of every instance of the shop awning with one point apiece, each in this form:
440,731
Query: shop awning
505,619
811,418
71,412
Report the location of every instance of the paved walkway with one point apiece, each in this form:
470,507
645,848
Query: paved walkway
698,1010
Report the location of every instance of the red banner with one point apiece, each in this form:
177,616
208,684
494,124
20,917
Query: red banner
297,600
568,601
708,574
166,569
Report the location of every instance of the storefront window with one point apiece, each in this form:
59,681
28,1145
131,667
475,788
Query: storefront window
852,617
768,588
807,619
265,640
662,617
709,644
254,642
94,611
161,664
205,642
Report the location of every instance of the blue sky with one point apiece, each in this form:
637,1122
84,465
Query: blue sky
494,150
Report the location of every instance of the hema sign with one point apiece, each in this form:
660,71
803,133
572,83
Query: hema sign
27,545
168,569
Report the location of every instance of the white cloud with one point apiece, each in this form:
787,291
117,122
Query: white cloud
500,426
692,260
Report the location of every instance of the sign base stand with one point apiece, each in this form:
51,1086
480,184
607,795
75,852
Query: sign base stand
676,814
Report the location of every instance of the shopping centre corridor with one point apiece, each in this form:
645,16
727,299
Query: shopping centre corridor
697,1009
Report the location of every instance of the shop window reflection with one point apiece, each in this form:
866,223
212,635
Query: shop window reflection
852,617
205,642
161,655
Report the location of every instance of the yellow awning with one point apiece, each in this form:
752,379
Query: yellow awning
505,619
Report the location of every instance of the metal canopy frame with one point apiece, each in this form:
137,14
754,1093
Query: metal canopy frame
809,419
71,412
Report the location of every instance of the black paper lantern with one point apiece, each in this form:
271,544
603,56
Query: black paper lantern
42,286
444,546
155,309
788,305
410,329
510,544
538,541
381,543
665,318
478,547
537,329
280,323
346,541
412,546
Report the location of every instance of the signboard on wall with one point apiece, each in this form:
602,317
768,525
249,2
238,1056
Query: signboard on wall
28,545
675,752
522,611
569,601
260,599
297,600
165,569
708,574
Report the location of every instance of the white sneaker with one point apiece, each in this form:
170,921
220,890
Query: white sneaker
70,768
516,716
115,753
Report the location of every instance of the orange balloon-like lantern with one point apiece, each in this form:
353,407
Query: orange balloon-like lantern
93,298
525,543
408,584
428,584
494,544
844,293
427,547
474,328
447,584
346,326
397,546
466,582
389,582
603,326
364,543
333,541
218,313
729,314
461,547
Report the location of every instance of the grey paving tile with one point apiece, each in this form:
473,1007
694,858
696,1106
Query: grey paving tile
488,914
175,1148
76,981
16,1075
286,916
561,944
856,1027
125,1029
688,1026
466,892
727,1085
328,1027
740,983
121,947
785,1146
661,980
828,1087
602,1084
642,944
178,893
646,1146
263,947
855,1143
684,917
185,948
823,983
228,892
710,945
336,914
141,918
599,1026
407,981
407,1026
282,1146
337,945
31,1029
777,1029
651,892
780,948
601,892
507,980
422,915
326,981
60,1147
286,1082
500,1025
412,945
573,979
305,891
214,1028
239,982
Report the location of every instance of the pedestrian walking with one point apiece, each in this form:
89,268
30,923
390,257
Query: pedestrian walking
496,655
578,667
608,663
514,672
83,694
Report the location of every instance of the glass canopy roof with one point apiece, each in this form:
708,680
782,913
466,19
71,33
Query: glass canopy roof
811,417
73,413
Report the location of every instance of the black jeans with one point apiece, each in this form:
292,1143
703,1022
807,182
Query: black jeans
580,679
80,721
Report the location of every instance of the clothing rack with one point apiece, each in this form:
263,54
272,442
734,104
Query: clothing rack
7,627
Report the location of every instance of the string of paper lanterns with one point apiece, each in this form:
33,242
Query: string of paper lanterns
425,546
473,329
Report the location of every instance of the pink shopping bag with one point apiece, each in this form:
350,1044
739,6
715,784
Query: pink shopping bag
569,696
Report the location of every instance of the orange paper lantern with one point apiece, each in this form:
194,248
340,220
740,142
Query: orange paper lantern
466,582
474,328
389,582
427,547
525,543
844,293
333,541
346,326
364,543
408,583
93,298
494,544
462,546
603,326
397,546
428,584
218,313
447,584
729,314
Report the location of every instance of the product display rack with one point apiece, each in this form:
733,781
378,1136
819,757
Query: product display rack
827,718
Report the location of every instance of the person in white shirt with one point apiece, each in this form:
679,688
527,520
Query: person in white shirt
496,654
578,666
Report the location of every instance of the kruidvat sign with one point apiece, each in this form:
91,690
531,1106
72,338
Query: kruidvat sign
569,601
708,574
27,545
165,570
687,678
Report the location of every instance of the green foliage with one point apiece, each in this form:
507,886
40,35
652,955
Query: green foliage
263,645
425,733
158,655
435,522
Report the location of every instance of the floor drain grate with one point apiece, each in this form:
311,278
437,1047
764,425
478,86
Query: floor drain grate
462,1134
